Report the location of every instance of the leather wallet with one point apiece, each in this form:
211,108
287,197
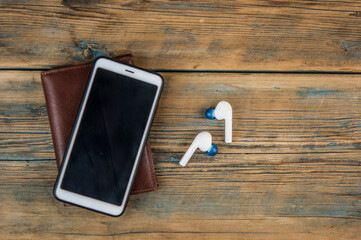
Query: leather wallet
63,91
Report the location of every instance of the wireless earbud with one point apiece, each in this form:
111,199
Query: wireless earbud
203,141
222,111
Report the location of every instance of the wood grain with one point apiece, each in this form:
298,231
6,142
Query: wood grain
254,35
292,172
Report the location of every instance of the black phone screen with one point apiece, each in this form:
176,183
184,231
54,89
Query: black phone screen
109,137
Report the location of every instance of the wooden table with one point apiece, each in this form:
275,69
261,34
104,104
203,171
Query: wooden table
290,69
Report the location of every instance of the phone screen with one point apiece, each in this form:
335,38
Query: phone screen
109,137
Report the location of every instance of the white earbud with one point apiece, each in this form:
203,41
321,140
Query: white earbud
222,111
203,141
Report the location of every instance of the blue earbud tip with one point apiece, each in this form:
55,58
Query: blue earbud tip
210,113
213,151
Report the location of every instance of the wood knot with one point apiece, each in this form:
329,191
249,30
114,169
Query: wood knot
356,14
88,53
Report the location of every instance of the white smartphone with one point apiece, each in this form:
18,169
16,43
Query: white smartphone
108,137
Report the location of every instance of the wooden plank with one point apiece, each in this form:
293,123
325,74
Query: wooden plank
254,202
293,170
273,113
219,35
24,126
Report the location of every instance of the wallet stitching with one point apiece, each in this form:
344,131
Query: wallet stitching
45,73
152,167
66,69
149,160
144,190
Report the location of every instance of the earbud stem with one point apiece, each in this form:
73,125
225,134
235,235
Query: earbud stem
187,156
228,130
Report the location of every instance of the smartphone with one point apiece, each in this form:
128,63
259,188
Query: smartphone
108,137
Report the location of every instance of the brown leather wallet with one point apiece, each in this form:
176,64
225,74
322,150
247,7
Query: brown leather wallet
63,91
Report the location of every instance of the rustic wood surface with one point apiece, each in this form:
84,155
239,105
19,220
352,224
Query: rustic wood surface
255,35
292,172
